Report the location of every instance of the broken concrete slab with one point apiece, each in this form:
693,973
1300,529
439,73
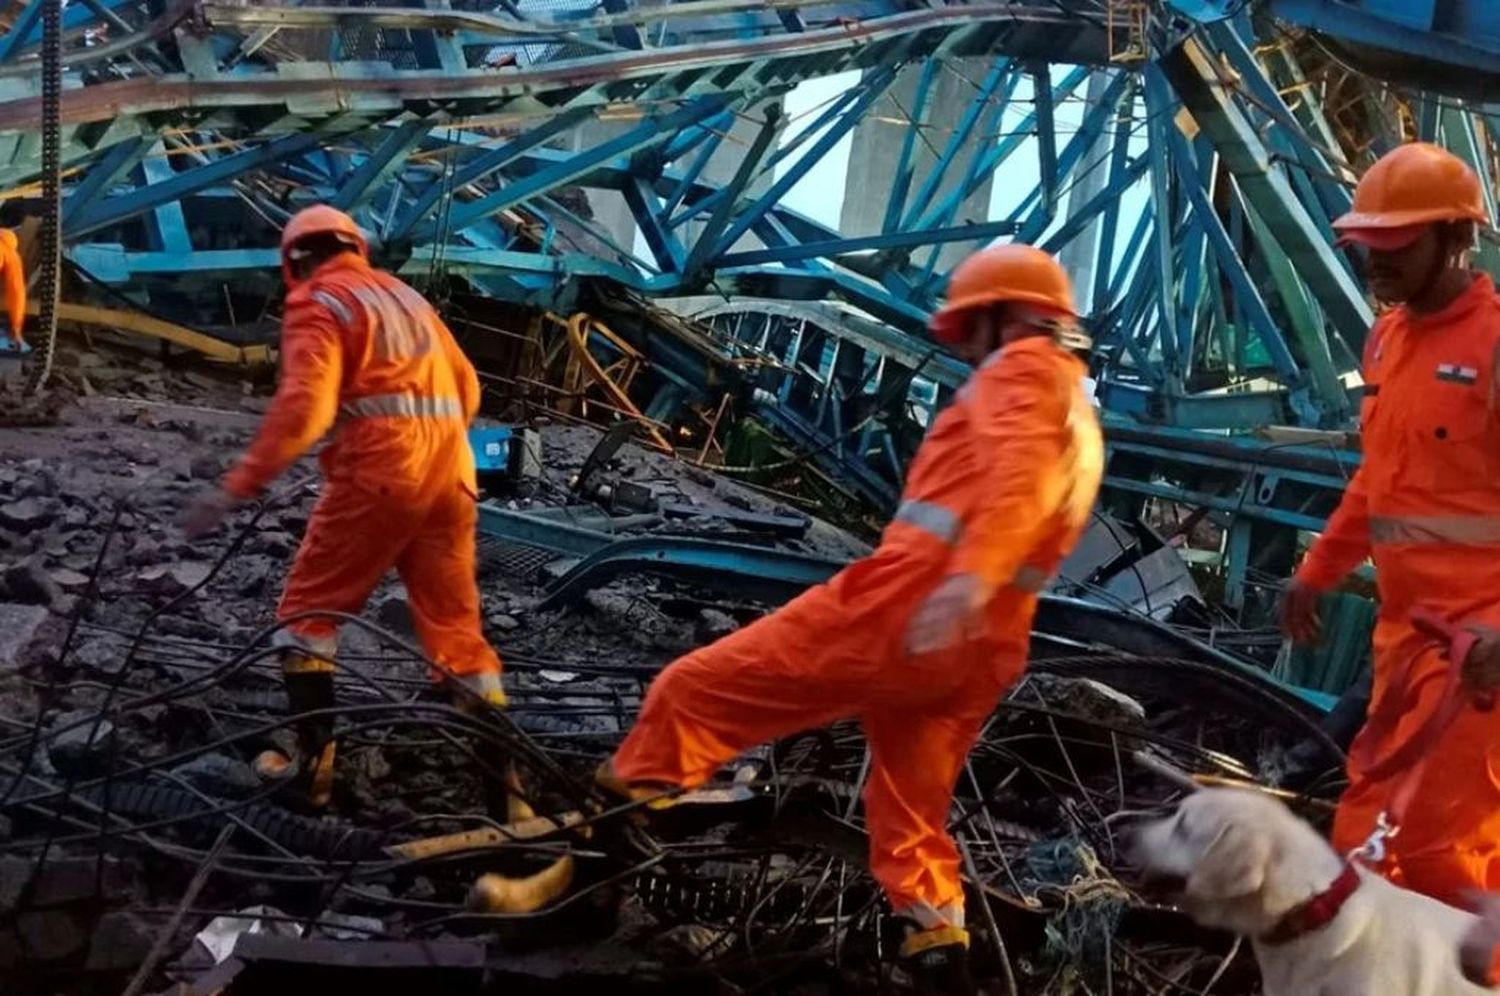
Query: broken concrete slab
394,614
175,578
82,743
69,580
20,631
120,941
51,935
27,514
713,625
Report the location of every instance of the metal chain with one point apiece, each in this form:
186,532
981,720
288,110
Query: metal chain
50,241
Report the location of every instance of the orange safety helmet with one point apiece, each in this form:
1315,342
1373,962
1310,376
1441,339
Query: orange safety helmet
1410,188
1014,272
320,219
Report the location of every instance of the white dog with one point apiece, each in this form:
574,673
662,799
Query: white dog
1241,861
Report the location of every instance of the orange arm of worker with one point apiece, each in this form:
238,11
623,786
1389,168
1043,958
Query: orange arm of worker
306,402
1345,542
1017,414
14,275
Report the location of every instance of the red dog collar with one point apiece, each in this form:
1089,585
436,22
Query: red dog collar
1318,912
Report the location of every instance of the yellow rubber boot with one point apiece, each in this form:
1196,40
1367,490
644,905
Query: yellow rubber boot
938,960
309,688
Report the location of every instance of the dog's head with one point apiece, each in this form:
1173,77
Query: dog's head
1233,859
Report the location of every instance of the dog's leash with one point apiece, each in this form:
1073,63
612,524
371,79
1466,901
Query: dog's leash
1409,758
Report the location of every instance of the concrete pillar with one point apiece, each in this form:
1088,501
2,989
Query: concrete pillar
1078,256
725,162
610,211
876,151
612,214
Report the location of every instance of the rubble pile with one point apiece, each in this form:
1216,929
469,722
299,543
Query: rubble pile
137,683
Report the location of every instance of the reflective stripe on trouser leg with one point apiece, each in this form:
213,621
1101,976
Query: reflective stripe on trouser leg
930,917
316,646
486,685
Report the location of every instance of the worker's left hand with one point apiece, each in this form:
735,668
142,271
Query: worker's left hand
951,614
207,512
1481,669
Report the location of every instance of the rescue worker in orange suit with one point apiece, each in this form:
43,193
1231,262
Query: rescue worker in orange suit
919,640
1425,506
366,356
13,274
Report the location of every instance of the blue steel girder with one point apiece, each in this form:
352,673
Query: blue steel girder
403,147
1194,74
346,96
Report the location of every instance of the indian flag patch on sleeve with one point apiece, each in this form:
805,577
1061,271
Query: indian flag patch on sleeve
1457,374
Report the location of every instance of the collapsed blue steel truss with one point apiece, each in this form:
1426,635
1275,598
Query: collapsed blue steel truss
1177,155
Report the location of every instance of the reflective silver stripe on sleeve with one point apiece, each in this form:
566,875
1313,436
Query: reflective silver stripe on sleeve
930,517
1427,530
402,406
339,308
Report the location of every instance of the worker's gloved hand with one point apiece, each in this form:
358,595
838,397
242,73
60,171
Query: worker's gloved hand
1481,669
950,615
207,512
1479,952
1300,616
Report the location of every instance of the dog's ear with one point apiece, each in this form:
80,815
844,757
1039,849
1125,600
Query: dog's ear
1234,865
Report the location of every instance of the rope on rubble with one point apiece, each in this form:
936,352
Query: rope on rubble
1080,935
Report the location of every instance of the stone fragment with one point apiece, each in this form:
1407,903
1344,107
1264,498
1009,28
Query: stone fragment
27,514
29,583
274,543
394,614
20,627
713,625
50,935
69,580
219,774
206,468
173,579
120,941
82,743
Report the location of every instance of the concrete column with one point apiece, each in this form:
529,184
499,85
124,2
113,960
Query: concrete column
1078,256
610,211
876,151
725,162
613,215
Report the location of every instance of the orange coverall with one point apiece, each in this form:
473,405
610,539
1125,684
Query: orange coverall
1001,488
365,353
14,275
1425,504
